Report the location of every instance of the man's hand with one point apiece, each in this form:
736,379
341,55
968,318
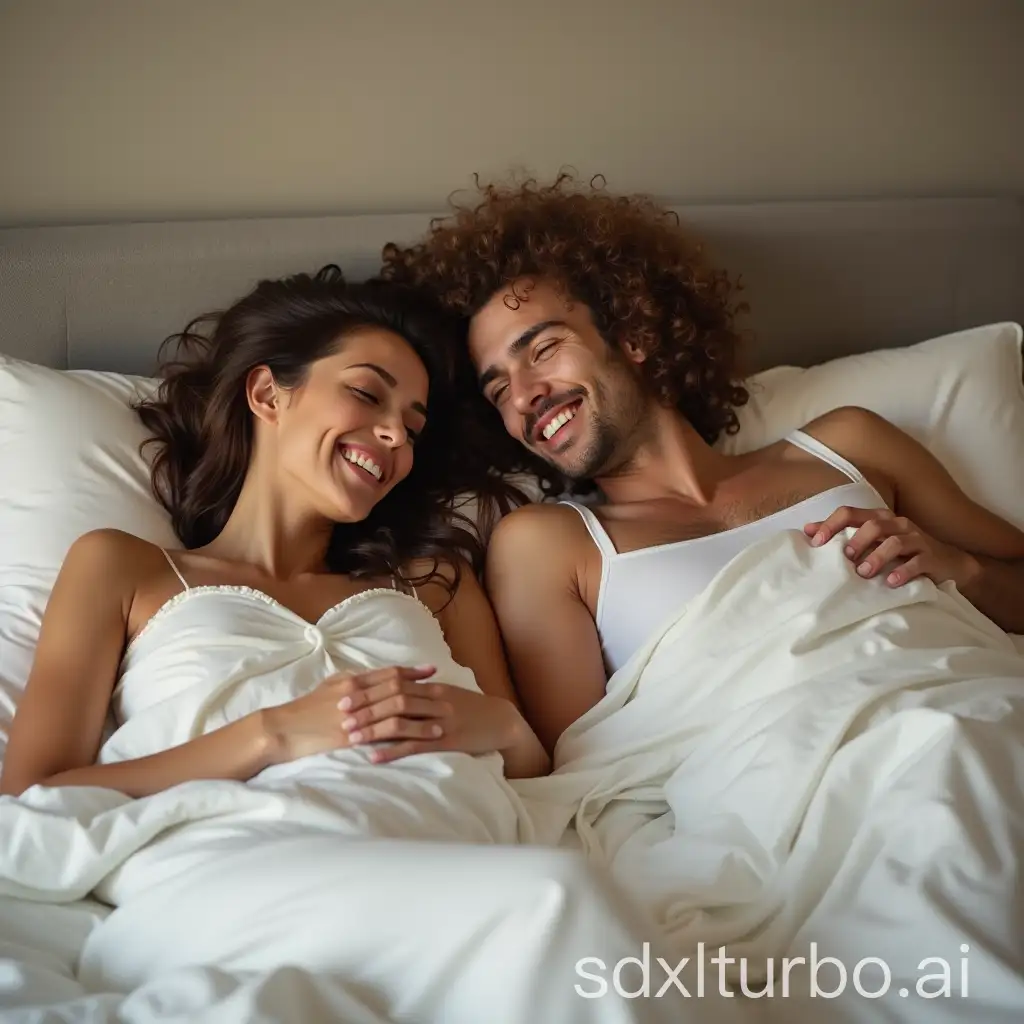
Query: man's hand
935,529
883,538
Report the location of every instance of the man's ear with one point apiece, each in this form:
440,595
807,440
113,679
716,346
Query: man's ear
263,394
633,352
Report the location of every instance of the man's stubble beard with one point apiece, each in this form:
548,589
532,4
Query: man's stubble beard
620,425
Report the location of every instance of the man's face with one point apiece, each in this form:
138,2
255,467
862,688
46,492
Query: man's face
560,388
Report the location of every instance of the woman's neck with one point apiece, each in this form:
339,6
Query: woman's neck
282,538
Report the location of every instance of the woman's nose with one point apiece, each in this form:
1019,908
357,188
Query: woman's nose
392,434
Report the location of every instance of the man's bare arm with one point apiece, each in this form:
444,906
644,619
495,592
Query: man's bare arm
936,529
552,643
471,631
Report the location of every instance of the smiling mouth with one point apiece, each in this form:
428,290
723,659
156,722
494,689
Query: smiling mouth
368,470
553,427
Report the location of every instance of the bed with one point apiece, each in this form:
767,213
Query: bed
840,293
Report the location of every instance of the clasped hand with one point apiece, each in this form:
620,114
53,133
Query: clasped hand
389,705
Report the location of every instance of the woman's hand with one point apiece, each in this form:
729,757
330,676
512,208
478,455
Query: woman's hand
316,723
415,717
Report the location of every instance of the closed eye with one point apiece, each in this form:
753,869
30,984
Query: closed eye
368,396
540,352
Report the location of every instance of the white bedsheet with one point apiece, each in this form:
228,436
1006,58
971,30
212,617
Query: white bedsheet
803,756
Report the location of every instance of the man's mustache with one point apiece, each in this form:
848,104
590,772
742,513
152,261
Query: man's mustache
536,415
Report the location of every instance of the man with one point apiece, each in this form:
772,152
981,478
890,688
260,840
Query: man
607,349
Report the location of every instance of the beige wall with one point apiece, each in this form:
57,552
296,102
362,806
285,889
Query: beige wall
148,109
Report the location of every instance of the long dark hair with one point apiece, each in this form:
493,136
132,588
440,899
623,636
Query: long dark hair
202,427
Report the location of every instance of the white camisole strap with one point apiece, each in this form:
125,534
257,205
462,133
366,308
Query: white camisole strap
813,446
177,572
597,532
410,590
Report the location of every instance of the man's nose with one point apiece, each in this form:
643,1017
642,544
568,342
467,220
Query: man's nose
527,393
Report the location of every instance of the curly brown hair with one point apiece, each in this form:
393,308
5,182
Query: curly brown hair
625,257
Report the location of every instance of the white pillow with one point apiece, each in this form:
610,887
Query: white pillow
70,460
960,395
70,463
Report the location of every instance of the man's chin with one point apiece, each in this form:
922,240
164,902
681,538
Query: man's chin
567,461
573,470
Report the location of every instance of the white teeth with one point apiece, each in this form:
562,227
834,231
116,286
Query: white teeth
363,462
562,418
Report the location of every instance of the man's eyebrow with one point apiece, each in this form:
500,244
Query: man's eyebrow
389,380
517,346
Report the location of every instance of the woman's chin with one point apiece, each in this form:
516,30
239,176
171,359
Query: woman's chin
350,508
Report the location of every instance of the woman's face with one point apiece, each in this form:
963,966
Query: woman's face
346,434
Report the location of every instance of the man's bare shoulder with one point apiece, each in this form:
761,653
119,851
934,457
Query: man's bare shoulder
545,538
546,523
849,425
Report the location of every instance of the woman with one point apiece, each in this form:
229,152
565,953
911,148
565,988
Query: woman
285,457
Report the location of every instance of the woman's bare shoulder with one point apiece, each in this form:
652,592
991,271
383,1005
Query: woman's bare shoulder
115,556
109,543
438,582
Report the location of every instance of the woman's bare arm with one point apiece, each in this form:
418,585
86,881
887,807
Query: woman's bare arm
57,730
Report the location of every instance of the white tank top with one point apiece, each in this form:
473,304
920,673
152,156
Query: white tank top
640,589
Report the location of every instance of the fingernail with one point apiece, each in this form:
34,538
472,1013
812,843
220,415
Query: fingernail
849,551
345,703
355,737
349,723
376,755
894,578
436,730
819,538
864,568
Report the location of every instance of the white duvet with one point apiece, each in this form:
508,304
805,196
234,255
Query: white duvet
805,757
803,764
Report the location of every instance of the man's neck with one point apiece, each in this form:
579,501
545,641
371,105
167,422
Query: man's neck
674,461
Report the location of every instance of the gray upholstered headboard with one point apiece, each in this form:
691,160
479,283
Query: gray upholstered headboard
822,278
